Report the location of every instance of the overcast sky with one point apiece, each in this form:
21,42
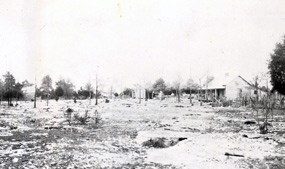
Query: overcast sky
133,41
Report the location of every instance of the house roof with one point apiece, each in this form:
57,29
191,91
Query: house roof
221,82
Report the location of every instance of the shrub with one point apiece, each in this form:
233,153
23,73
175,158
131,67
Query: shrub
162,142
227,103
68,114
82,119
216,104
156,143
265,107
95,120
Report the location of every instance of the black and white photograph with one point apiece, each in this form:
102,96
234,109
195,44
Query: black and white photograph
142,84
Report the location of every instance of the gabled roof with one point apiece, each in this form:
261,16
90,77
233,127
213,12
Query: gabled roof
245,80
220,83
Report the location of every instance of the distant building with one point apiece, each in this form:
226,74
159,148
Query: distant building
29,92
234,89
238,88
139,92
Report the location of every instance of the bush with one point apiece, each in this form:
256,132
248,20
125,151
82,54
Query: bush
265,108
68,114
227,103
95,120
156,143
162,142
216,104
82,119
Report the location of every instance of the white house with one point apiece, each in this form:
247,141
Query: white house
232,89
238,88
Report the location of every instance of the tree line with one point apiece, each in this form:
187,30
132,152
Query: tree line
11,90
176,88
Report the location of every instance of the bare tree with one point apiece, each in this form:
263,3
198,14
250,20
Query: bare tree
111,92
1,90
177,86
89,88
148,88
256,80
265,106
209,79
35,95
192,86
96,90
139,88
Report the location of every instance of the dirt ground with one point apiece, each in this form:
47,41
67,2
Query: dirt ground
153,134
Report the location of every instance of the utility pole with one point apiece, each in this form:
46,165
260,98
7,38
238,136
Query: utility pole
190,86
96,92
200,87
111,92
89,88
140,96
35,96
206,94
90,95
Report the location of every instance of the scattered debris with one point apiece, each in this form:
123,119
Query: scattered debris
248,122
234,155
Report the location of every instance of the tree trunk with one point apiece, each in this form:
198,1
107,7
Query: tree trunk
47,100
190,96
146,95
139,95
96,98
178,95
35,100
90,96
